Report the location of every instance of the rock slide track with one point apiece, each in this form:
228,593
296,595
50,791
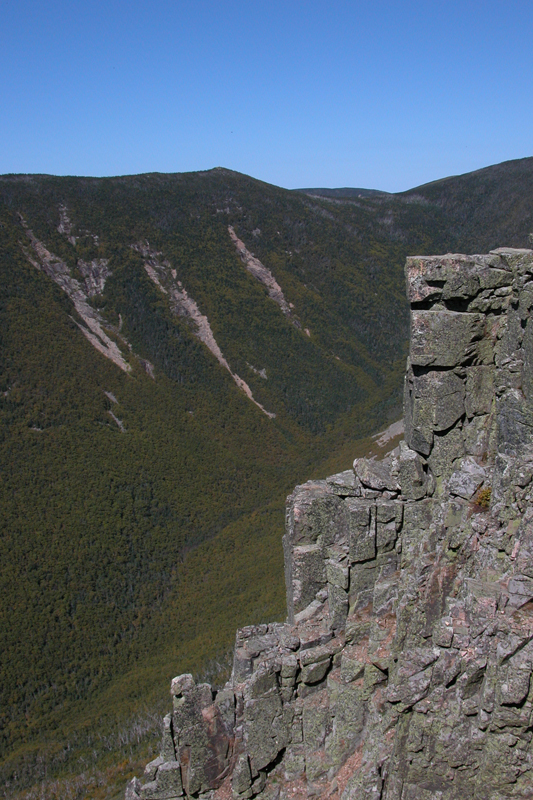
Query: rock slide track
183,305
263,275
94,274
403,671
161,273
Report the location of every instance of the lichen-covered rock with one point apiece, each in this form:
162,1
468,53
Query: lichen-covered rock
444,338
133,789
404,671
435,400
413,474
467,479
378,475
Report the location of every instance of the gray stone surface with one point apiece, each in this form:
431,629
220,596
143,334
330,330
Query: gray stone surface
378,474
444,338
447,448
133,789
413,474
479,390
467,479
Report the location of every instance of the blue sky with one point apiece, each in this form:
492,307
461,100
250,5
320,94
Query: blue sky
386,94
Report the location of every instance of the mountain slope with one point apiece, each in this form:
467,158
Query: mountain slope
128,442
486,207
152,326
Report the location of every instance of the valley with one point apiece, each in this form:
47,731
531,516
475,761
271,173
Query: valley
177,352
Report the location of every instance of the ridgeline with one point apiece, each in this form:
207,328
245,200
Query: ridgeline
177,352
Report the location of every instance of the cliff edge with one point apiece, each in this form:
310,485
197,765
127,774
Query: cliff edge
404,669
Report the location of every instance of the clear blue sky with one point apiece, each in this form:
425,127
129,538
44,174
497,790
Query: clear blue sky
383,94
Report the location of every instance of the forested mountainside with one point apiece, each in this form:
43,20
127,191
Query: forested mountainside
344,193
177,351
479,209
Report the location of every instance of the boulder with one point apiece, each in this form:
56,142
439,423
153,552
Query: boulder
467,479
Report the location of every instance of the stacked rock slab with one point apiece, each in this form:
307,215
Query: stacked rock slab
404,669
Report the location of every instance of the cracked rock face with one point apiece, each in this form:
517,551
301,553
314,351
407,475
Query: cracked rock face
404,669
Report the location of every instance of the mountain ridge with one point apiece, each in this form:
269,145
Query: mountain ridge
104,556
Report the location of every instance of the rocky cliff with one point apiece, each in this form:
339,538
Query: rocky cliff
403,671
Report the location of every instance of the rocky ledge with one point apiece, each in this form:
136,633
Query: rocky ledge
404,669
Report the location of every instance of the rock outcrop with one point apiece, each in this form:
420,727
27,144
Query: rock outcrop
403,671
94,274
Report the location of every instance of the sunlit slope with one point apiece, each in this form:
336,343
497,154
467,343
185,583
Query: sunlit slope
95,522
142,504
110,476
488,208
475,212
